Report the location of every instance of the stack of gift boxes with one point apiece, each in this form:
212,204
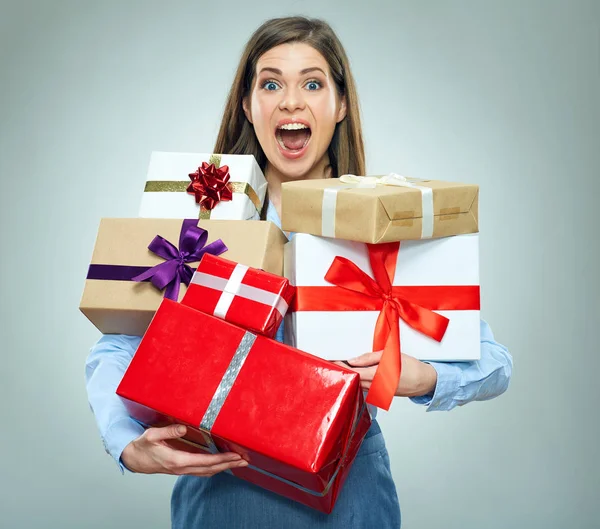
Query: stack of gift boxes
208,285
392,265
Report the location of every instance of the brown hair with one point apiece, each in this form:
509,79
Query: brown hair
236,135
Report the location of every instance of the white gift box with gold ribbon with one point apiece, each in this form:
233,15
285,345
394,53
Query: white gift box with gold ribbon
168,181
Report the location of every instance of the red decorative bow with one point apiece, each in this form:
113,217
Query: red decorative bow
344,273
210,185
356,291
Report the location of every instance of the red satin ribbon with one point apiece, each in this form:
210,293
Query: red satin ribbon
210,184
355,290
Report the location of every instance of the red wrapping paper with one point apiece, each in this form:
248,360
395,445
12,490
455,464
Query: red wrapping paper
258,304
297,419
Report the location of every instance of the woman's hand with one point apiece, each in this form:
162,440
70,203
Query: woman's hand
416,378
151,453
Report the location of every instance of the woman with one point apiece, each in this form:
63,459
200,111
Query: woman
293,105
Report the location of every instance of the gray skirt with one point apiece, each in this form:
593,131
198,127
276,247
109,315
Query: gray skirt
367,499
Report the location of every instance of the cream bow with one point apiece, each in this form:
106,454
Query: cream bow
391,179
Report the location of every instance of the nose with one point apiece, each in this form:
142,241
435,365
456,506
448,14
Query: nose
292,99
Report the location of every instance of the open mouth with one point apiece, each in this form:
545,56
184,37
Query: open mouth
293,137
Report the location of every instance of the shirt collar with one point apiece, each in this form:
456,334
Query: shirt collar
272,215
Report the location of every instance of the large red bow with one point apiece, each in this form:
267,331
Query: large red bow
344,273
210,185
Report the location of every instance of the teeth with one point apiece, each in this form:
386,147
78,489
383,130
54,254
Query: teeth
280,141
293,126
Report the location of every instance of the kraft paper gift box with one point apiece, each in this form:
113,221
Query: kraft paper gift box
340,311
253,299
115,303
379,209
203,185
297,419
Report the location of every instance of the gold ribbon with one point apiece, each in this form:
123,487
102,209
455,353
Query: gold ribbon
180,186
215,159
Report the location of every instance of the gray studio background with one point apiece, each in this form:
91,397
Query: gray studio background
504,94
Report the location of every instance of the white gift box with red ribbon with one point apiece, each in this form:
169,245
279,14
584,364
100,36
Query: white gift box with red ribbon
447,268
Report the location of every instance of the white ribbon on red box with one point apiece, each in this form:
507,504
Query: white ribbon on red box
232,287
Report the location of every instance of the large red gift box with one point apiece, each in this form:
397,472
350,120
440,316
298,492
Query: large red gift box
254,299
297,419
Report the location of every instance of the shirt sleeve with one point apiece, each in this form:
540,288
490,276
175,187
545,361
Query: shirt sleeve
461,382
104,369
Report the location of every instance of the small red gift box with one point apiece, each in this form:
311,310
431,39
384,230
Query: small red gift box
297,419
244,296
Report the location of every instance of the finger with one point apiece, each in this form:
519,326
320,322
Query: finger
173,431
341,363
368,359
365,385
366,373
215,469
183,460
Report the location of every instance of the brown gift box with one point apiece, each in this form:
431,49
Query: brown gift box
126,307
383,213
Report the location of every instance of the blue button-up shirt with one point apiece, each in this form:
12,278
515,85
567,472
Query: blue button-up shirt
457,382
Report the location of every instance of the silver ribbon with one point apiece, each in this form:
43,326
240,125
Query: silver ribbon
224,387
350,181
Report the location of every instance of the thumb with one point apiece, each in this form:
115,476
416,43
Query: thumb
173,431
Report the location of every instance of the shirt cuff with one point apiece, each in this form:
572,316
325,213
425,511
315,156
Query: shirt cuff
118,436
449,378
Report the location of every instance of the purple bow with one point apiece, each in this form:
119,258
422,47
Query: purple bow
174,271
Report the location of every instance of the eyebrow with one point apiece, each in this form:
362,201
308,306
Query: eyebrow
277,71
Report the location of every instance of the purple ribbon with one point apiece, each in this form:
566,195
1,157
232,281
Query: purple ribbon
174,271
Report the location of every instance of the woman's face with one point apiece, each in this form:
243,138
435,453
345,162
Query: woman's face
294,108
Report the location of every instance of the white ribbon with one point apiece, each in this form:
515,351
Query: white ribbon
232,287
351,181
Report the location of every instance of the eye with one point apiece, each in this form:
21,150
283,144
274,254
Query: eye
270,86
313,85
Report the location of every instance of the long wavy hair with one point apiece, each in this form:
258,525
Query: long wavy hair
236,135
